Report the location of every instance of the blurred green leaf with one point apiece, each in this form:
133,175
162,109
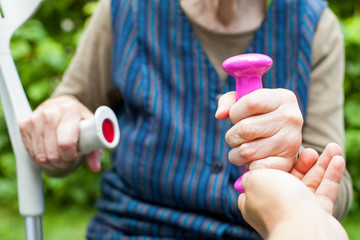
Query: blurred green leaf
33,30
38,90
89,8
352,30
353,68
20,49
8,165
51,53
352,114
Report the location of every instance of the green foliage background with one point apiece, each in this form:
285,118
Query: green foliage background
43,48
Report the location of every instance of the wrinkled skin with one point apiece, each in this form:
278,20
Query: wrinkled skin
267,128
51,135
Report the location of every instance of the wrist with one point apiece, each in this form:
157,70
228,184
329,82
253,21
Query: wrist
307,225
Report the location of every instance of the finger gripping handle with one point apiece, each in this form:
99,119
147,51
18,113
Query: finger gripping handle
102,131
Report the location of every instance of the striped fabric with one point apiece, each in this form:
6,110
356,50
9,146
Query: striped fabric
171,177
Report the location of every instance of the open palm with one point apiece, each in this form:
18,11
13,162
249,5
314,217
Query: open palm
301,199
321,174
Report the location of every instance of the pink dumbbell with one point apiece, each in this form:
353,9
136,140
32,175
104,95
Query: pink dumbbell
247,69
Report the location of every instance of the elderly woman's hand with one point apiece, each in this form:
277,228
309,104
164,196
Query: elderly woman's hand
50,135
267,128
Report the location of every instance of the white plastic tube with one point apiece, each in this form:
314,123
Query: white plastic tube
102,131
16,107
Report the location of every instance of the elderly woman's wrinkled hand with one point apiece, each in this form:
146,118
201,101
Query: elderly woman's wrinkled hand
267,128
50,135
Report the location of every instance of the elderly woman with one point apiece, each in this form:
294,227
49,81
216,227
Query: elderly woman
158,65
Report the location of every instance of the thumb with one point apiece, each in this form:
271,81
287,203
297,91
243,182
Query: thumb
93,160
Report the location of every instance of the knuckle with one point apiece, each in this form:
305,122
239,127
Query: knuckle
35,120
53,157
252,105
246,130
242,154
49,116
40,157
71,104
240,132
287,165
233,157
33,125
229,138
293,118
68,150
26,124
23,125
288,94
247,152
67,145
236,135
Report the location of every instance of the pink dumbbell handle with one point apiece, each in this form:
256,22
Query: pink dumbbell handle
246,85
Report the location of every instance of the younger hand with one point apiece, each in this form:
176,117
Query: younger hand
301,200
51,134
267,128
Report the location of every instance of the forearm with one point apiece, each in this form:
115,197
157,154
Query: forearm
296,231
318,226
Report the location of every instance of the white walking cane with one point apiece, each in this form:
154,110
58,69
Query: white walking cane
100,132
